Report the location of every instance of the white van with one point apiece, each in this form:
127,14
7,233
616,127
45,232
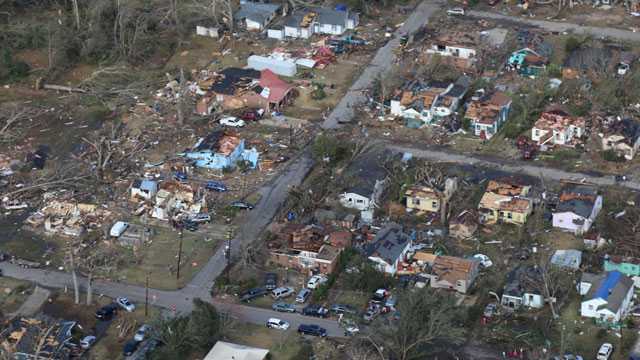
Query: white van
274,323
281,292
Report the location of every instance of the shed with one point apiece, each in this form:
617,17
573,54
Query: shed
567,259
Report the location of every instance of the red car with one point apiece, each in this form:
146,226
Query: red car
252,115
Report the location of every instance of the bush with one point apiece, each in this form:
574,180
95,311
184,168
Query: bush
466,124
572,44
611,155
11,69
328,147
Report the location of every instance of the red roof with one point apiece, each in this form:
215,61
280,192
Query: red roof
278,88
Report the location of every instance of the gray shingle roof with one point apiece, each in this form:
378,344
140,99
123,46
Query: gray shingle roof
256,11
388,243
325,16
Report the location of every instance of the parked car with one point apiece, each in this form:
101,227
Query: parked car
315,310
380,296
142,332
130,347
232,121
342,309
274,323
252,115
215,186
87,341
200,218
350,327
252,294
458,11
316,280
490,310
125,304
310,329
180,176
242,205
484,260
283,307
282,292
605,351
303,295
189,225
372,311
107,312
270,281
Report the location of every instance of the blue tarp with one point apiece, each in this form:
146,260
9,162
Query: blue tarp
341,7
607,285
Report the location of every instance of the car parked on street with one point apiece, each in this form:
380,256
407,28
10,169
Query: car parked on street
124,303
200,218
283,307
303,295
316,280
458,11
251,294
315,310
130,347
275,323
242,205
87,341
342,309
311,329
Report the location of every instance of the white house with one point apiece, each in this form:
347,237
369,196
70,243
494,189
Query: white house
223,350
389,248
256,16
303,24
578,207
418,101
523,289
144,189
623,137
451,48
557,128
606,297
369,179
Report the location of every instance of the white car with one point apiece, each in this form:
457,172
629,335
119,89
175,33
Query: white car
605,352
141,333
274,323
87,341
484,260
315,281
455,12
232,121
124,303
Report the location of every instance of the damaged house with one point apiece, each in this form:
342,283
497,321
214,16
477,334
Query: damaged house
67,217
367,178
622,136
457,49
304,23
505,202
464,225
389,248
175,199
220,150
577,209
488,113
606,297
533,56
38,338
309,248
235,88
556,127
255,16
523,288
424,198
453,273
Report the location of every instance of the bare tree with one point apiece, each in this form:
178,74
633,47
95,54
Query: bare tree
72,266
433,176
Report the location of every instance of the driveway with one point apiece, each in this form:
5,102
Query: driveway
562,26
380,64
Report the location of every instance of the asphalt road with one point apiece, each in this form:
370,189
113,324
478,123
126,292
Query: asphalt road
380,64
598,32
518,167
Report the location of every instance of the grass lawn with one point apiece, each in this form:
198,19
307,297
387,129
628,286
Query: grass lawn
283,345
13,293
159,258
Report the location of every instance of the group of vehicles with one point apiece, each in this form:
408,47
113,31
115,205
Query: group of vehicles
242,118
107,313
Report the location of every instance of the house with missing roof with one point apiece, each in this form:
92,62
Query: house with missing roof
556,127
569,259
505,201
627,265
622,136
255,16
523,288
220,150
577,209
452,273
304,23
41,337
457,49
235,88
488,113
463,225
144,189
389,248
606,297
425,198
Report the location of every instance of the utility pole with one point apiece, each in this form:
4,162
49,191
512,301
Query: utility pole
227,251
146,296
179,255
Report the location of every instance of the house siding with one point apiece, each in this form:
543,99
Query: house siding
423,204
625,268
355,201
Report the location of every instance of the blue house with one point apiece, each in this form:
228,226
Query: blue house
219,150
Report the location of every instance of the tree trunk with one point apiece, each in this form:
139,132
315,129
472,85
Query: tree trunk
74,277
90,288
181,94
76,13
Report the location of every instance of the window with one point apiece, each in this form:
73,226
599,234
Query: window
359,201
416,201
590,307
536,132
501,214
509,216
434,204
